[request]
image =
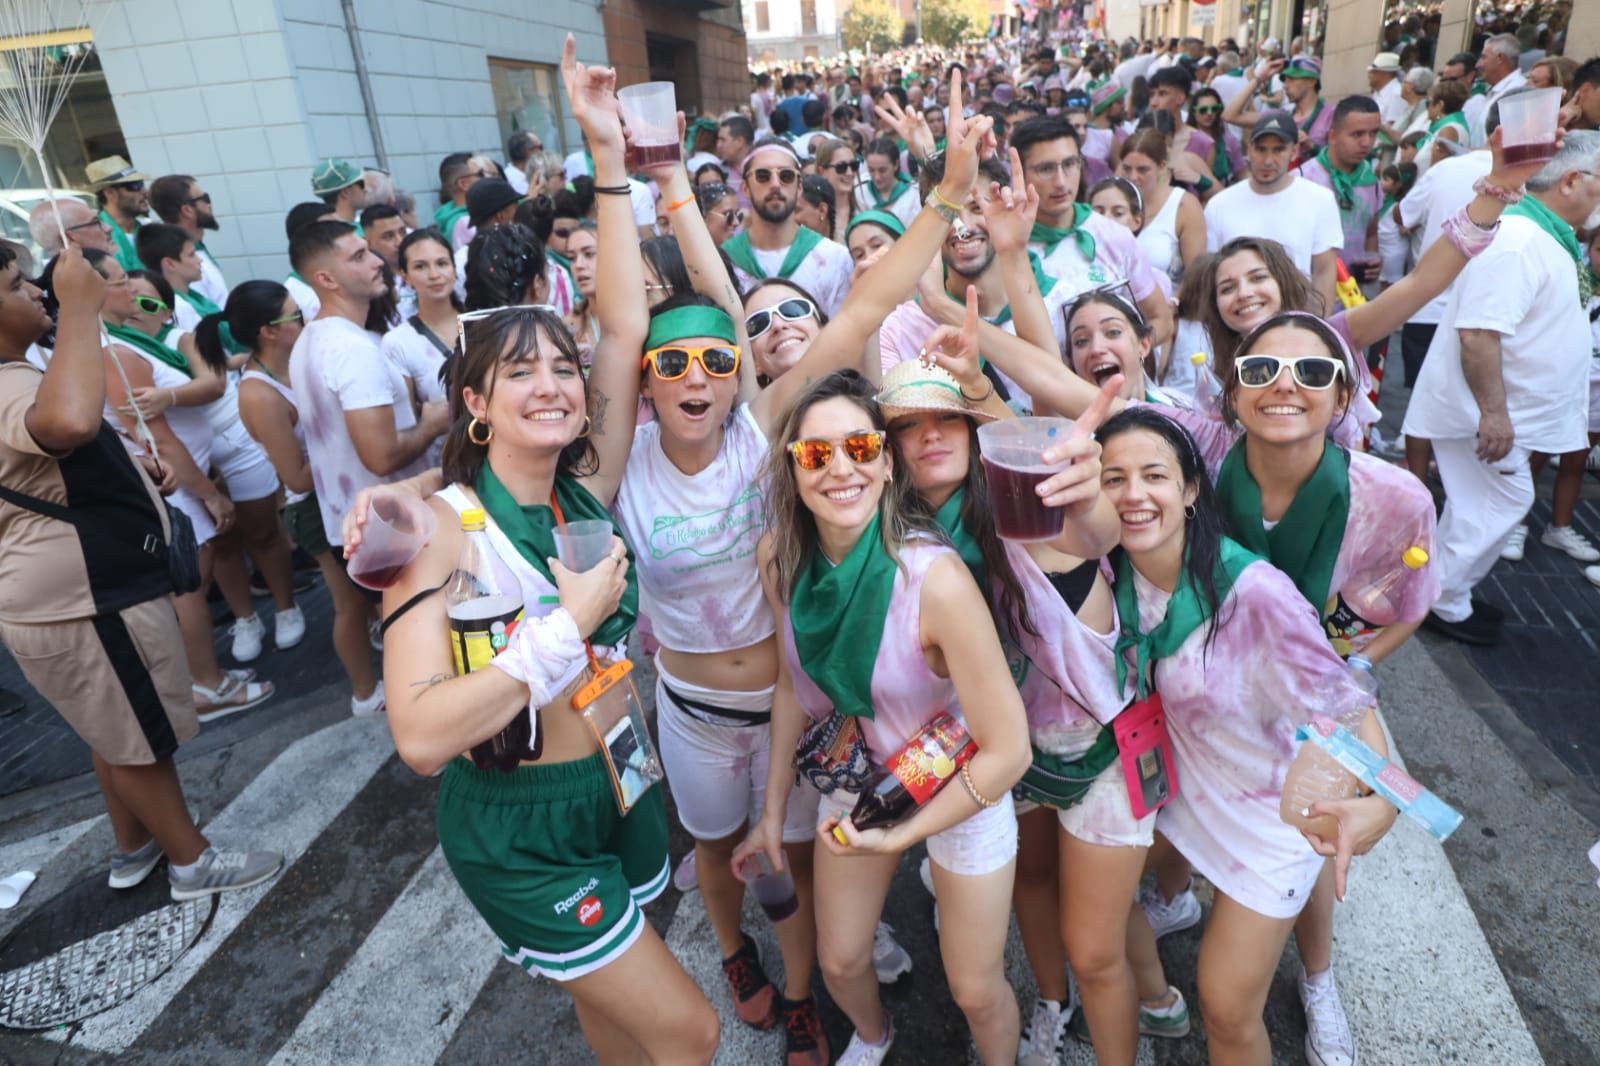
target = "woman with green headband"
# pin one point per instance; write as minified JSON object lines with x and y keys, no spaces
{"x":869,"y":235}
{"x":541,"y":851}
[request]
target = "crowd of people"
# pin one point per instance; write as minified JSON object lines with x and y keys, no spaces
{"x":773,"y":398}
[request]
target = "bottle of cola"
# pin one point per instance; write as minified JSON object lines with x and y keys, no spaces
{"x":913,"y":775}
{"x":484,"y":606}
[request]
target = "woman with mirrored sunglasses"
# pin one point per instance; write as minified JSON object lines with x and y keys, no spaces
{"x":782,"y":320}
{"x":885,"y":626}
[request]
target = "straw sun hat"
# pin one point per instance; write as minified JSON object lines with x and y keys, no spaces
{"x":910,"y":388}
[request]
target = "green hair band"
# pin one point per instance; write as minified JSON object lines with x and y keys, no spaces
{"x":691,"y":320}
{"x":888,"y":221}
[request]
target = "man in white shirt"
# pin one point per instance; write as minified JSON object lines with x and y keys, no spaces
{"x":178,"y":200}
{"x":1275,"y":204}
{"x":1497,"y":66}
{"x":1383,"y":79}
{"x":774,"y":244}
{"x":1229,"y":80}
{"x":353,"y":402}
{"x":522,"y":153}
{"x":1506,"y":376}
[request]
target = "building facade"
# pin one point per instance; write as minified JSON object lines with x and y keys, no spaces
{"x":246,"y":94}
{"x":792,"y":29}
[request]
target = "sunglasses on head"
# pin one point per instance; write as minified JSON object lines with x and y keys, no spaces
{"x":793,"y":309}
{"x":815,"y":453}
{"x":850,"y":166}
{"x":150,"y":305}
{"x":672,"y":361}
{"x":1316,"y":372}
{"x":785,"y":175}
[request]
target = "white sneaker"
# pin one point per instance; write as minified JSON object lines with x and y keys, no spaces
{"x":1515,"y":545}
{"x":1328,"y":1038}
{"x":373,"y":704}
{"x":1569,"y":540}
{"x":1182,"y":912}
{"x":1044,"y":1037}
{"x":288,"y":628}
{"x":248,"y":635}
{"x":861,"y":1053}
{"x":889,"y":959}
{"x":1593,"y":574}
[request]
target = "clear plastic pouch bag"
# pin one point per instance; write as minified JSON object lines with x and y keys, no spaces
{"x":610,"y":706}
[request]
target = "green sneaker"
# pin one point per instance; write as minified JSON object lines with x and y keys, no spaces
{"x":1169,"y":1022}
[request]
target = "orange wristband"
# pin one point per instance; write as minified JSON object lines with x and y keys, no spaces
{"x":681,"y":203}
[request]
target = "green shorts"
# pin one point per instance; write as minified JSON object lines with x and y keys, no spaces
{"x":304,"y":520}
{"x":544,"y":856}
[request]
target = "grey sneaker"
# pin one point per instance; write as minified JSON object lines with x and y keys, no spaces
{"x":889,"y":959}
{"x":132,"y":867}
{"x":224,"y":871}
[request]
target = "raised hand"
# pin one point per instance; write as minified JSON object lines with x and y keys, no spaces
{"x":592,"y":94}
{"x":956,"y":350}
{"x":965,"y":143}
{"x":1009,"y":210}
{"x":910,"y":126}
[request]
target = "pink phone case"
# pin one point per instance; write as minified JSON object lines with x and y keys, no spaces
{"x":1146,"y":753}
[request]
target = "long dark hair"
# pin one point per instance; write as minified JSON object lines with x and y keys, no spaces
{"x":666,"y":259}
{"x":251,"y":305}
{"x":503,"y":262}
{"x":429,"y":233}
{"x":1294,"y":289}
{"x":816,"y":191}
{"x":511,"y":335}
{"x":1011,"y":606}
{"x":1300,"y":320}
{"x":1205,"y":529}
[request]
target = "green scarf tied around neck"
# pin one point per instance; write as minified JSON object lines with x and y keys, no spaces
{"x":1531,"y":209}
{"x":446,"y":215}
{"x":1186,"y":612}
{"x":151,"y":347}
{"x":744,"y":256}
{"x":531,"y":529}
{"x":837,"y":615}
{"x":1305,"y":543}
{"x":127,"y":254}
{"x":966,"y":545}
{"x":1345,"y":185}
{"x":899,"y":190}
{"x":1050,"y":236}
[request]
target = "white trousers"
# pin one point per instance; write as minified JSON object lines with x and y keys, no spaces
{"x":1484,"y":502}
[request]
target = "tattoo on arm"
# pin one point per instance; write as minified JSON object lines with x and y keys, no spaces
{"x":597,"y":412}
{"x":432,"y":681}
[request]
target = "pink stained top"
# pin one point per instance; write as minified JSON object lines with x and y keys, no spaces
{"x":906,"y":694}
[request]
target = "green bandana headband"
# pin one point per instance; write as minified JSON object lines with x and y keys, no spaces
{"x":691,"y":321}
{"x":887,"y":220}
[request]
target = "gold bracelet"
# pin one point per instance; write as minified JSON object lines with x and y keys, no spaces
{"x":939,"y":197}
{"x":972,"y":790}
{"x":977,"y":399}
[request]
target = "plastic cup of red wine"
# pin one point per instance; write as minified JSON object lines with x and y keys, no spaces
{"x":397,"y":527}
{"x":581,"y":545}
{"x":651,"y":111}
{"x":1011,"y":451}
{"x":773,"y":890}
{"x":1528,"y":125}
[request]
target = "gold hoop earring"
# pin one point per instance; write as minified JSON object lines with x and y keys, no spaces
{"x":588,"y":426}
{"x":473,"y":437}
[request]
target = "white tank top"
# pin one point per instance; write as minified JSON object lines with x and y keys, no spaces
{"x":540,"y":596}
{"x":1159,"y":238}
{"x":189,"y":424}
{"x":694,"y":539}
{"x":287,"y":393}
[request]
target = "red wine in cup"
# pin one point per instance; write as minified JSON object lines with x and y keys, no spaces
{"x":1019,"y":513}
{"x":1528,"y":153}
{"x":377,"y":578}
{"x":651,"y":155}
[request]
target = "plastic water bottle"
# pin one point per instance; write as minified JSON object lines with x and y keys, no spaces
{"x":1207,"y":390}
{"x":1315,"y":775}
{"x":1374,"y":599}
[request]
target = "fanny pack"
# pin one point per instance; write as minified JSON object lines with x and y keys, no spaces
{"x":714,"y":715}
{"x":833,"y":755}
{"x":1062,"y":783}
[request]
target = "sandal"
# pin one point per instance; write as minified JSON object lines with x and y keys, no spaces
{"x":231,"y":697}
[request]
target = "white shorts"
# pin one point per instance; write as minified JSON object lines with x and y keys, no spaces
{"x":244,"y":464}
{"x":979,"y":845}
{"x":718,"y":773}
{"x":1105,"y":815}
{"x":189,"y":504}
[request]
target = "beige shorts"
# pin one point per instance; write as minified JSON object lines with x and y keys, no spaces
{"x":120,"y":680}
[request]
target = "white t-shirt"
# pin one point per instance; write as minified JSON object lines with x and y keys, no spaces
{"x":825,"y":273}
{"x":1302,"y":216}
{"x":694,"y":538}
{"x":337,"y":366}
{"x":1392,"y":106}
{"x":1129,"y":69}
{"x":904,"y":207}
{"x":516,"y":179}
{"x":1525,"y":288}
{"x":644,"y":203}
{"x":1477,"y":107}
{"x":1443,"y":189}
{"x":418,"y":359}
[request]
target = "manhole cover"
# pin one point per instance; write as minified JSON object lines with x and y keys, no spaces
{"x":51,"y":982}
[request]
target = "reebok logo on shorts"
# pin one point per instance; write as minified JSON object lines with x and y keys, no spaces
{"x":565,"y":905}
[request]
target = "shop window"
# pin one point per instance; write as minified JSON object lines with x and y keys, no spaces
{"x":526,"y":97}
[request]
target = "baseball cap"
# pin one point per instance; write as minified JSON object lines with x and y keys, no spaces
{"x":1303,"y":67}
{"x":1276,"y":124}
{"x":331,"y":175}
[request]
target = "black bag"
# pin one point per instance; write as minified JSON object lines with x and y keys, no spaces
{"x":832,"y":754}
{"x":182,"y":553}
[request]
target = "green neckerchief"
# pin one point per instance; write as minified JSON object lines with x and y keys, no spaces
{"x":1383,"y":208}
{"x":202,"y":303}
{"x":1305,"y":543}
{"x":837,"y":615}
{"x":1454,"y":118}
{"x":1531,"y":209}
{"x":744,"y":256}
{"x":938,"y":146}
{"x":1223,"y":166}
{"x":588,"y":163}
{"x":1479,"y":88}
{"x":531,"y":529}
{"x":151,"y":347}
{"x":1050,"y":236}
{"x":1345,"y":185}
{"x":446,"y":215}
{"x":900,"y":187}
{"x":966,"y":545}
{"x":1312,"y":121}
{"x":127,"y":254}
{"x":1186,"y":611}
{"x":1040,"y":278}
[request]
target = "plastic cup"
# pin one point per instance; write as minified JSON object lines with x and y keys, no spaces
{"x":651,"y":111}
{"x":774,"y":891}
{"x":397,"y":528}
{"x":1011,"y":450}
{"x":581,"y":545}
{"x":1528,"y":125}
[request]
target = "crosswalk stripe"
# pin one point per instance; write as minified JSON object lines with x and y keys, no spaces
{"x":283,"y":809}
{"x":36,"y":852}
{"x":410,"y":984}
